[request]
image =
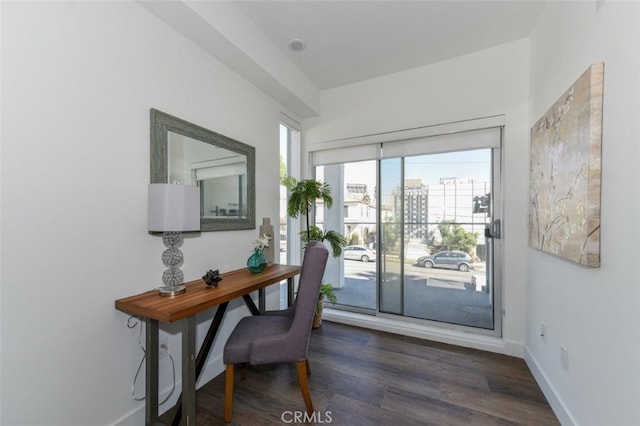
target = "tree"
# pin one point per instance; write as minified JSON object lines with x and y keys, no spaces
{"x":355,"y":238}
{"x":371,"y":237}
{"x":454,"y":237}
{"x":390,"y":234}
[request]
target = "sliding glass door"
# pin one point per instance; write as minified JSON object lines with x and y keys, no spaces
{"x":433,"y":247}
{"x":419,"y":220}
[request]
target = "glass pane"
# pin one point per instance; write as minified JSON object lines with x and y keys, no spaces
{"x":446,"y":207}
{"x":391,"y":210}
{"x":353,"y":214}
{"x":280,"y":237}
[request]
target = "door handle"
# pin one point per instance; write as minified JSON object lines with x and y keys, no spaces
{"x":492,"y":230}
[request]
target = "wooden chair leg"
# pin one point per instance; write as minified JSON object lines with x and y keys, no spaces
{"x":304,"y":386}
{"x":228,"y":395}
{"x":308,"y":367}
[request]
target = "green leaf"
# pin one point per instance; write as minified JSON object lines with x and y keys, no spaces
{"x":326,"y":291}
{"x":303,"y":195}
{"x":335,"y":240}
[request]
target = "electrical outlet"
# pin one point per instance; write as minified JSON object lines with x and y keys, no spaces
{"x":543,"y":332}
{"x":164,"y":348}
{"x":564,"y":358}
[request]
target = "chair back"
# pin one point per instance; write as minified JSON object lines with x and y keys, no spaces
{"x":313,"y":265}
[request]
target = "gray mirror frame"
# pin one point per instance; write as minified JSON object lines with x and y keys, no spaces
{"x":161,"y":124}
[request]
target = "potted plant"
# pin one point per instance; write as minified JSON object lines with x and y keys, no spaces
{"x":303,"y":195}
{"x":326,"y":292}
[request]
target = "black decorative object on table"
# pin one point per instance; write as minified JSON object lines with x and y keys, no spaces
{"x":212,"y":278}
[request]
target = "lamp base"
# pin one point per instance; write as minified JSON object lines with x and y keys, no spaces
{"x":172,"y":290}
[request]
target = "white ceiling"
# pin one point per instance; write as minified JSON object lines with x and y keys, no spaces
{"x":349,"y":41}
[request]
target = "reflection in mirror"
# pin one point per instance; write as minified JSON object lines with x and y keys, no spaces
{"x":220,"y":175}
{"x":221,"y":167}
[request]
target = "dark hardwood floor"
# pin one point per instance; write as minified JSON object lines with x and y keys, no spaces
{"x":365,"y":377}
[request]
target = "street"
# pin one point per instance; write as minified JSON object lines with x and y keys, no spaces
{"x":436,"y":277}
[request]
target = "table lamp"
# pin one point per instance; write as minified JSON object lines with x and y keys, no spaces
{"x":173,"y":209}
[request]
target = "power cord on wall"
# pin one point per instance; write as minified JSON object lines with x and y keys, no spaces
{"x":144,"y":356}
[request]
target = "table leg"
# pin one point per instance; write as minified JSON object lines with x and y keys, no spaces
{"x":252,"y":306}
{"x":189,"y":371}
{"x":262,"y":300}
{"x":290,"y":291}
{"x":202,"y":357}
{"x":151,"y":370}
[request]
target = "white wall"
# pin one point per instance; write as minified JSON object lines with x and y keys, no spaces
{"x":592,"y":312}
{"x":489,"y":82}
{"x":78,"y":80}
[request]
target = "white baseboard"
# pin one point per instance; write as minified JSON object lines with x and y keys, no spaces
{"x":421,"y":331}
{"x":556,"y":403}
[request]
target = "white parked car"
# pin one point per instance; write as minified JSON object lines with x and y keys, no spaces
{"x":360,"y":253}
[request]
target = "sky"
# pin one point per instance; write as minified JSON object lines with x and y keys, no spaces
{"x":430,"y":168}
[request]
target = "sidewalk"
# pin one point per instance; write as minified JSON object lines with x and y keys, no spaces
{"x":433,"y":299}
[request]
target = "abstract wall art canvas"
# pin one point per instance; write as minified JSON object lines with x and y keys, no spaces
{"x":564,"y":182}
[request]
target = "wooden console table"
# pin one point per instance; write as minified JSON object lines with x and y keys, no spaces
{"x":152,"y":308}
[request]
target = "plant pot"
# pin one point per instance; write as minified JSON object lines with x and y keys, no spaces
{"x":317,"y":318}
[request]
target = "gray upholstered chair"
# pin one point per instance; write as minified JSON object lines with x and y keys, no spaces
{"x":280,"y":336}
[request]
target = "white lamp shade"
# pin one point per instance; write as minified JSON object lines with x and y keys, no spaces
{"x":173,"y":208}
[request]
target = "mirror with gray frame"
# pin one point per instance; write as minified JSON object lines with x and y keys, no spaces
{"x":221,"y":167}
